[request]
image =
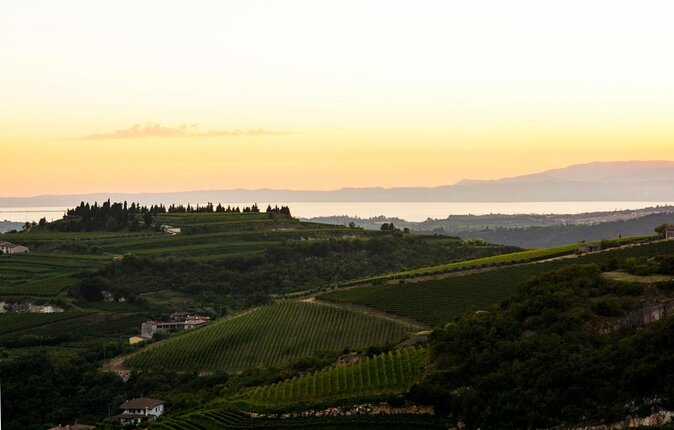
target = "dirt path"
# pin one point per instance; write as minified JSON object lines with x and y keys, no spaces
{"x":414,"y":324}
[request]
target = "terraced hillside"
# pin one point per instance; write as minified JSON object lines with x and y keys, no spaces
{"x":387,"y":373}
{"x":270,"y":335}
{"x":438,"y":301}
{"x":225,"y":418}
{"x":504,"y":259}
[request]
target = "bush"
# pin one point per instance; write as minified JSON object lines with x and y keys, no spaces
{"x":607,"y":308}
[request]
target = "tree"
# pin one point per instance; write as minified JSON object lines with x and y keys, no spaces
{"x":388,"y":227}
{"x":662,"y":229}
{"x":134,"y":225}
{"x":111,"y":224}
{"x":147,"y":219}
{"x":43,"y":222}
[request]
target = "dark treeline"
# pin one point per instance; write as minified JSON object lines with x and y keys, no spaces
{"x":285,"y":210}
{"x":108,"y":216}
{"x":208,"y":208}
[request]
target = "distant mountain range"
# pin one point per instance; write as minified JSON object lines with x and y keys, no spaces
{"x":601,"y":181}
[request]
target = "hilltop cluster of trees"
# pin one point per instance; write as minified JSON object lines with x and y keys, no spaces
{"x":108,"y":216}
{"x":121,"y":216}
{"x":284,"y":210}
{"x":209,"y":207}
{"x":534,"y":361}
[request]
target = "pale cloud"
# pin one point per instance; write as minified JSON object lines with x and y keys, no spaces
{"x":151,"y":129}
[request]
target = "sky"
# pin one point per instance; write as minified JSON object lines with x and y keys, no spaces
{"x":129,"y":96}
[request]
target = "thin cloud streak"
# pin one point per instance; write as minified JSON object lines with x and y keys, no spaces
{"x":150,"y":129}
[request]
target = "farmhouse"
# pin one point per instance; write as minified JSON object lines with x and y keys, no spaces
{"x":669,"y":233}
{"x":138,"y":410}
{"x":10,"y":248}
{"x":149,"y":328}
{"x":170,"y":230}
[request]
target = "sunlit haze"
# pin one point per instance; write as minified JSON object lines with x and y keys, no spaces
{"x":134,"y":96}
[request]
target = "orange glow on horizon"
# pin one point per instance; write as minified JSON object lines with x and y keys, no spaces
{"x":278,"y":95}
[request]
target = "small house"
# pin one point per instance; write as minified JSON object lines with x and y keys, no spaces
{"x":139,"y":410}
{"x":149,"y":328}
{"x":11,"y":248}
{"x":669,"y":233}
{"x":170,"y":229}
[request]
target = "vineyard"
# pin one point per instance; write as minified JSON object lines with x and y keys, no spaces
{"x":438,"y":301}
{"x":10,"y":322}
{"x":271,"y":335}
{"x":519,"y":257}
{"x":215,"y":419}
{"x":387,"y":373}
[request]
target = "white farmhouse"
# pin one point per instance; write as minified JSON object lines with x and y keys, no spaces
{"x":10,"y":248}
{"x":138,"y":410}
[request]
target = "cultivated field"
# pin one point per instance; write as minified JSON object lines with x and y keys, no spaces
{"x":271,"y":335}
{"x":439,"y":301}
{"x":387,"y":373}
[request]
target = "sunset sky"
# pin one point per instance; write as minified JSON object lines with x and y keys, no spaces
{"x":135,"y":96}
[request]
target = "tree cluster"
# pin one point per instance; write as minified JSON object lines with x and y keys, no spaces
{"x":284,"y":210}
{"x":208,"y":208}
{"x":107,"y":216}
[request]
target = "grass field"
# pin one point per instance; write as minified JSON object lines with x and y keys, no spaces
{"x":436,"y":302}
{"x":384,"y":374}
{"x":270,"y":335}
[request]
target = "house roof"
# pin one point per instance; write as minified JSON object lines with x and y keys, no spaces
{"x":141,"y":403}
{"x":10,"y":245}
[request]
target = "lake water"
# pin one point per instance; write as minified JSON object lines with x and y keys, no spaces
{"x":410,"y":211}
